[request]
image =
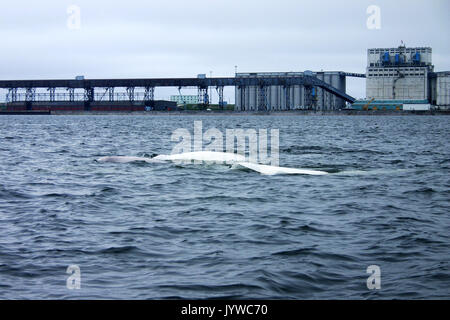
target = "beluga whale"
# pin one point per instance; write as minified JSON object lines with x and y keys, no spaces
{"x":233,"y":159}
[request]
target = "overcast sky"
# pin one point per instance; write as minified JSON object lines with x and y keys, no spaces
{"x":179,"y":38}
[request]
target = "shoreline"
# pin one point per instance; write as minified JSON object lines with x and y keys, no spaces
{"x":234,"y":113}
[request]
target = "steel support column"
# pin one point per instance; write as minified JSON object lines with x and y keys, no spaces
{"x":89,"y":94}
{"x":149,"y":94}
{"x":11,"y":96}
{"x":71,"y":94}
{"x":14,"y":95}
{"x":219,"y":90}
{"x":52,"y":92}
{"x":110,"y":93}
{"x":29,"y":98}
{"x":262,"y":98}
{"x":181,"y":96}
{"x":203,"y":97}
{"x":310,"y":99}
{"x":30,"y":94}
{"x":130,"y":92}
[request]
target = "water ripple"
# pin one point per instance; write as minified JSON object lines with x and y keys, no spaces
{"x":152,"y":231}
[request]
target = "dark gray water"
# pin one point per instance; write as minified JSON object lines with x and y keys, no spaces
{"x":142,"y":231}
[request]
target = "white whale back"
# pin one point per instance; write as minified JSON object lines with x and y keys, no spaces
{"x":203,"y":156}
{"x":218,"y":157}
{"x":273,"y":170}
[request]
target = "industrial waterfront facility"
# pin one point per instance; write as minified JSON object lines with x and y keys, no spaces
{"x":88,"y":94}
{"x":396,"y":79}
{"x":404,"y":79}
{"x":254,"y":98}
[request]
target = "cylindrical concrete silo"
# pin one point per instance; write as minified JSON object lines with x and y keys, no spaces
{"x":253,"y":98}
{"x":296,"y":101}
{"x":247,"y":98}
{"x":274,"y":97}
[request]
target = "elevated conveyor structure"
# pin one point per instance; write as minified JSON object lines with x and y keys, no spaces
{"x":91,"y":86}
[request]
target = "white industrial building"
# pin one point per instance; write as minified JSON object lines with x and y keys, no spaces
{"x":294,"y":97}
{"x":398,"y":73}
{"x":402,"y":75}
{"x":440,"y":90}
